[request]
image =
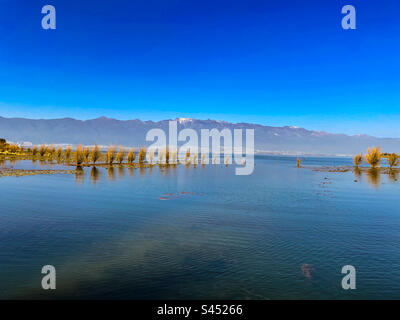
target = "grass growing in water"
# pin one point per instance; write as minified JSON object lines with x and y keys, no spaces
{"x":78,"y":156}
{"x":111,"y":154}
{"x":393,"y":160}
{"x":142,"y":155}
{"x":120,"y":155}
{"x":96,"y":153}
{"x":357,"y":160}
{"x":131,"y":155}
{"x":373,"y":156}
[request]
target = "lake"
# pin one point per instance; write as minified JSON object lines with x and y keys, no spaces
{"x":201,"y":232}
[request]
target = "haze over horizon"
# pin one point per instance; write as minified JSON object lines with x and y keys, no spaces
{"x":189,"y":118}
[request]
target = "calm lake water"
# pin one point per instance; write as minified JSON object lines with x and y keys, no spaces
{"x":201,"y":233}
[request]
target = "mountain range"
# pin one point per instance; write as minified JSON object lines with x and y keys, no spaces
{"x":106,"y":131}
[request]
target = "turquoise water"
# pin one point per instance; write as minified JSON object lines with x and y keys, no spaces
{"x":201,"y":233}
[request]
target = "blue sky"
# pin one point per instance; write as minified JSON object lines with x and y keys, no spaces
{"x":270,"y":62}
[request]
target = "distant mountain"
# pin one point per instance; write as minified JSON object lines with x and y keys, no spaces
{"x":105,"y":131}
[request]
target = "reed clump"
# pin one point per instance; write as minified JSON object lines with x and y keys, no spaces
{"x":78,"y":156}
{"x":373,"y":157}
{"x":142,"y":155}
{"x":34,"y":150}
{"x":86,"y":154}
{"x":298,"y":161}
{"x":95,"y":153}
{"x":120,"y":155}
{"x":357,"y":160}
{"x":187,"y":155}
{"x":59,"y":153}
{"x":68,"y":153}
{"x":131,"y":155}
{"x":42,"y":150}
{"x":111,"y":152}
{"x":393,"y":160}
{"x":167,"y":155}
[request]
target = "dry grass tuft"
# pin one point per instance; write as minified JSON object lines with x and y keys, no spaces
{"x":59,"y":153}
{"x":357,"y":160}
{"x":95,"y":153}
{"x":120,"y":155}
{"x":373,"y":157}
{"x":78,"y":156}
{"x":142,"y":155}
{"x":111,"y":152}
{"x":86,"y":154}
{"x":167,"y":155}
{"x":34,"y":150}
{"x":68,"y":153}
{"x":131,"y":155}
{"x":42,"y":150}
{"x":393,"y":160}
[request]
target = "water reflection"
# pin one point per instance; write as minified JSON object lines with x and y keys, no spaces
{"x":79,"y":175}
{"x":374,"y":177}
{"x":393,"y":175}
{"x":357,"y":173}
{"x":111,"y":174}
{"x":121,"y":172}
{"x":94,"y":175}
{"x":131,"y":171}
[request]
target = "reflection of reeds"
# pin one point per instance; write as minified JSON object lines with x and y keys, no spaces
{"x":121,"y":172}
{"x":79,"y":175}
{"x":373,"y":157}
{"x":94,"y":175}
{"x":357,"y":173}
{"x":357,"y":160}
{"x":374,"y":177}
{"x":111,"y":173}
{"x":393,"y":175}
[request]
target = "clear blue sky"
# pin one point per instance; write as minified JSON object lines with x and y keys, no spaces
{"x":270,"y":62}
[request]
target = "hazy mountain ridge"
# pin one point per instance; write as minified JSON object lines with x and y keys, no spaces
{"x":105,"y":131}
